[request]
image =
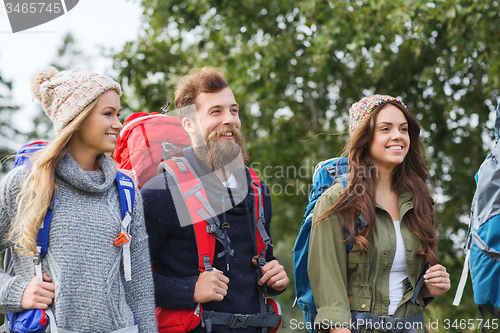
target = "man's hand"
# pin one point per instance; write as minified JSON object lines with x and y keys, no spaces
{"x":38,"y":294}
{"x":211,"y":286}
{"x":274,"y":275}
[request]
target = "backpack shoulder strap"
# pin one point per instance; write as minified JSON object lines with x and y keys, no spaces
{"x":24,"y":153}
{"x":194,"y":196}
{"x":264,"y":240}
{"x":261,"y":237}
{"x":42,"y":240}
{"x":126,"y":190}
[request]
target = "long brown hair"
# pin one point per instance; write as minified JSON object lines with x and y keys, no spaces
{"x":359,"y":195}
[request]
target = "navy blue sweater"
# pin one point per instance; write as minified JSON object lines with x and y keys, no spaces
{"x":173,"y":247}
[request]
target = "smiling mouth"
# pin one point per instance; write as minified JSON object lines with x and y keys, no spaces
{"x":398,"y":148}
{"x":227,"y":134}
{"x":111,"y":135}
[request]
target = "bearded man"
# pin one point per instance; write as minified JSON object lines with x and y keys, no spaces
{"x":231,"y":289}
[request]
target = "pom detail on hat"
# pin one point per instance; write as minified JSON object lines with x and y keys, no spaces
{"x":39,"y":77}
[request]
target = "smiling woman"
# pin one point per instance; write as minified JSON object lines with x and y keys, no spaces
{"x":392,"y":271}
{"x":76,"y":178}
{"x":390,"y":142}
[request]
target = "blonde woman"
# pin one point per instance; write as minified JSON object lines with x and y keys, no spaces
{"x":83,"y":277}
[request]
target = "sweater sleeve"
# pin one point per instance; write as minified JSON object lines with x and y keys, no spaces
{"x":327,"y":263}
{"x":140,"y":291}
{"x":11,"y":287}
{"x":161,"y":217}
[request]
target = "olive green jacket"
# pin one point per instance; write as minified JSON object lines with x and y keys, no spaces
{"x":342,"y":282}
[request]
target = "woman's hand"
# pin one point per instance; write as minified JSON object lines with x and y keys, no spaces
{"x":437,"y":281}
{"x":38,"y":294}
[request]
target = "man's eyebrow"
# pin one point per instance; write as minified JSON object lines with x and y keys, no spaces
{"x":220,"y":106}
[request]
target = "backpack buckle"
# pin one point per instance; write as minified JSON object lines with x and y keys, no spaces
{"x":238,"y":321}
{"x":211,"y":228}
{"x":388,"y":324}
{"x":36,"y":258}
{"x":122,"y":239}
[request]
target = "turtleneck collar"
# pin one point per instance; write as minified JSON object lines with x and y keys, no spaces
{"x":88,"y":181}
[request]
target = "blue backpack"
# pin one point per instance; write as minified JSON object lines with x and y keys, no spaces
{"x":38,"y":320}
{"x":482,"y":244}
{"x":325,"y":175}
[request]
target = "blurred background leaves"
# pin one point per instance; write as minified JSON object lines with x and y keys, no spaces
{"x":297,"y":66}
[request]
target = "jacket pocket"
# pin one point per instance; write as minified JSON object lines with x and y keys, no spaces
{"x":360,"y":304}
{"x":359,"y":296}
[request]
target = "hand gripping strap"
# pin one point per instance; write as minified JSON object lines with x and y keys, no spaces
{"x":195,"y":198}
{"x":126,"y":189}
{"x":264,"y":240}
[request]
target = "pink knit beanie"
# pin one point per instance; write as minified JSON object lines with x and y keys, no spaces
{"x":359,"y":111}
{"x":65,"y":94}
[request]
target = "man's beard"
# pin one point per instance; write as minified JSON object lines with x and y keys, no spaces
{"x":217,"y":154}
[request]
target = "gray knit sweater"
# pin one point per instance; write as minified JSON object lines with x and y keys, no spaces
{"x":86,"y":267}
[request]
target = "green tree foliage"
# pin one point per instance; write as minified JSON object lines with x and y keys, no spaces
{"x":8,"y":133}
{"x":297,"y":66}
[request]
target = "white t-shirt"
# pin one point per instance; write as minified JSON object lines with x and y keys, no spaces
{"x":231,"y":182}
{"x":398,"y":272}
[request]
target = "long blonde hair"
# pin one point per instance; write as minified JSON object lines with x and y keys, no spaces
{"x":39,"y":186}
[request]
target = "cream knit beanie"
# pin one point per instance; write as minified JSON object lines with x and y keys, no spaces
{"x":65,"y":94}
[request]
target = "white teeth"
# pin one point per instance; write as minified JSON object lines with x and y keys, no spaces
{"x":111,"y":135}
{"x":395,"y":148}
{"x":228,"y":134}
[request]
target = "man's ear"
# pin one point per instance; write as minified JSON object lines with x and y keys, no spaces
{"x":189,"y":126}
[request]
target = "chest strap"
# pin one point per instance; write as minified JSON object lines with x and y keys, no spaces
{"x":231,"y":320}
{"x":386,"y":323}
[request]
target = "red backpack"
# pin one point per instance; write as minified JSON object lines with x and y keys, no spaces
{"x":147,"y":145}
{"x":194,"y":195}
{"x":139,"y":146}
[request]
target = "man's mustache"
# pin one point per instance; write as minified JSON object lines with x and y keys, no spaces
{"x":222,"y":131}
